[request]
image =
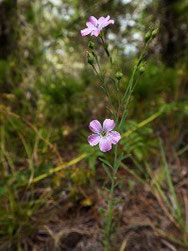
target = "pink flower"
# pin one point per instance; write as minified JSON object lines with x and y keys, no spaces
{"x":104,"y":136}
{"x":95,"y":26}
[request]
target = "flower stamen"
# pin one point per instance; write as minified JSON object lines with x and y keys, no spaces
{"x":103,"y":133}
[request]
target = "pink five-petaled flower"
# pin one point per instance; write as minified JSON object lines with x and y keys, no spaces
{"x":95,"y":26}
{"x":104,"y":136}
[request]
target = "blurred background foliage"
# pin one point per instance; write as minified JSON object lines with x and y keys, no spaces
{"x":48,"y":95}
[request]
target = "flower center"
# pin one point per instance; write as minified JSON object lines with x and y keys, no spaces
{"x":103,"y":133}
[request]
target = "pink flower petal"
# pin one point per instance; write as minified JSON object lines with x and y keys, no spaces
{"x":93,"y":20}
{"x":111,"y":21}
{"x":95,"y":26}
{"x":95,"y":33}
{"x":95,"y":126}
{"x":105,"y":144}
{"x":90,"y":25}
{"x":94,"y":139}
{"x":86,"y":31}
{"x":107,"y":18}
{"x":104,"y":24}
{"x":114,"y":137}
{"x":101,"y":20}
{"x":108,"y":125}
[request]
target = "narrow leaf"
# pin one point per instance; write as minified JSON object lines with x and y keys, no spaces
{"x":107,"y":171}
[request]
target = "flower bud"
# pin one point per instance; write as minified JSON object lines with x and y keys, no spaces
{"x":154,"y":33}
{"x":119,"y":75}
{"x":90,"y":59}
{"x":142,"y":69}
{"x":91,"y":45}
{"x":147,"y":36}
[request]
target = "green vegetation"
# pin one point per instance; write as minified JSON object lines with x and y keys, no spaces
{"x":49,"y":174}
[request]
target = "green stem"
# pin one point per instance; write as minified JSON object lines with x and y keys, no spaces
{"x":109,"y":217}
{"x":110,"y":213}
{"x":106,"y":49}
{"x":119,"y":107}
{"x":104,"y":85}
{"x":132,"y":83}
{"x":98,"y":75}
{"x":97,"y":60}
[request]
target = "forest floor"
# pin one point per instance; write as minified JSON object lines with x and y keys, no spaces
{"x":143,"y":224}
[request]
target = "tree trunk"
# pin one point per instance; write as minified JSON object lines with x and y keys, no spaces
{"x":172,"y":37}
{"x":8,"y":20}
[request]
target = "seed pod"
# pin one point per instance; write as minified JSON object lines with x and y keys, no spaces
{"x":142,"y":69}
{"x":90,"y":59}
{"x":154,"y":33}
{"x":147,"y":36}
{"x":119,"y":75}
{"x":91,"y":45}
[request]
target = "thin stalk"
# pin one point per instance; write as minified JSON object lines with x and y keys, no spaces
{"x":104,"y":85}
{"x":109,"y":217}
{"x":132,"y":83}
{"x":110,"y":212}
{"x":97,"y":61}
{"x":106,"y":49}
{"x":98,"y":75}
{"x":119,"y":102}
{"x":177,"y":211}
